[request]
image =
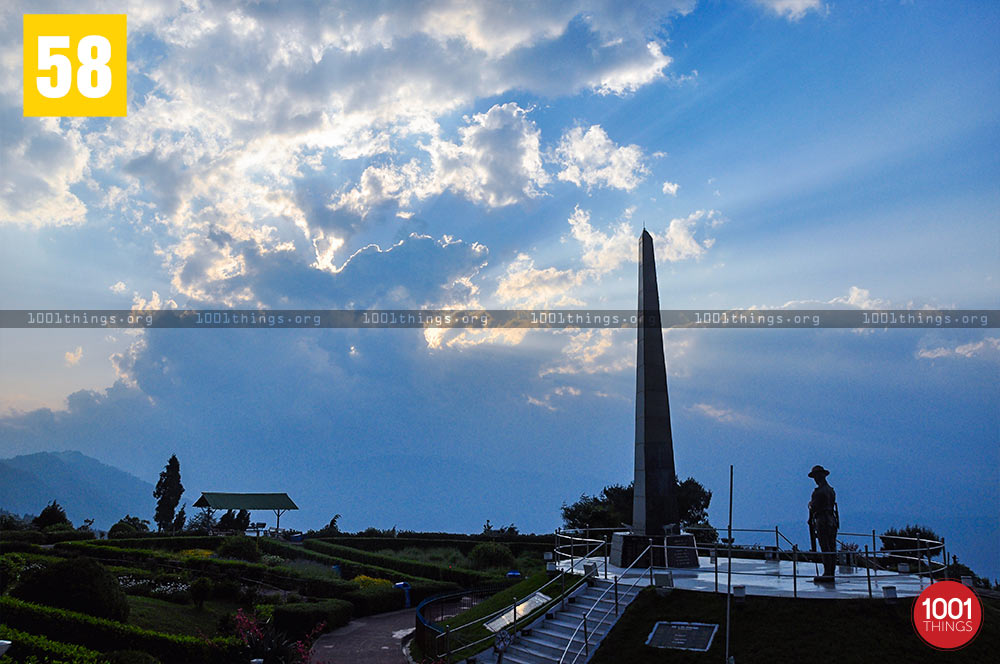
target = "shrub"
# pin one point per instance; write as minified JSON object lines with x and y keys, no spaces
{"x":26,"y":646}
{"x":201,"y":589}
{"x":375,"y":599}
{"x":77,"y":584}
{"x":240,"y":548}
{"x":271,"y":560}
{"x":53,"y":514}
{"x":131,"y":657}
{"x":488,"y":555}
{"x":354,"y":562}
{"x":105,"y":635}
{"x":297,"y":620}
{"x":364,"y":581}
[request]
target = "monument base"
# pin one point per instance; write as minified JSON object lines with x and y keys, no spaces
{"x":682,"y":551}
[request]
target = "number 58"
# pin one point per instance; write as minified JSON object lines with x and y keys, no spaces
{"x":93,"y":78}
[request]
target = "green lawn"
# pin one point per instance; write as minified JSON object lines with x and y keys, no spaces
{"x":163,"y":616}
{"x":772,"y":629}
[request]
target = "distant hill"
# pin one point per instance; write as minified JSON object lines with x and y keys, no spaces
{"x":85,"y":487}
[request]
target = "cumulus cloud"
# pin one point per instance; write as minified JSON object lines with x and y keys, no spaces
{"x":42,"y":158}
{"x":590,"y":158}
{"x":118,"y":287}
{"x":670,"y":188}
{"x":793,"y":10}
{"x":73,"y":357}
{"x":987,"y":349}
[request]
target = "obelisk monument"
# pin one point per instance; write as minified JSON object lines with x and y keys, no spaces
{"x":655,"y":504}
{"x":655,"y":516}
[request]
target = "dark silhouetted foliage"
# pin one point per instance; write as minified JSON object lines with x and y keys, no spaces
{"x":168,"y":493}
{"x":240,"y":548}
{"x":52,"y":515}
{"x":76,"y":584}
{"x":488,"y":555}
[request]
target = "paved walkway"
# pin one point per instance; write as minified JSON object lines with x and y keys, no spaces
{"x":771,"y":578}
{"x":372,"y":640}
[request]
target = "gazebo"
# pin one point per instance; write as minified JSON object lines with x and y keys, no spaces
{"x":279,"y":503}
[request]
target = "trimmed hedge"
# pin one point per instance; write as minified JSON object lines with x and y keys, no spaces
{"x":463,"y":577}
{"x":380,"y":599}
{"x":106,"y":635}
{"x":37,"y":537}
{"x":348,"y":568}
{"x":170,"y":543}
{"x":298,"y":619}
{"x":464,"y":543}
{"x":237,"y":570}
{"x":27,"y":645}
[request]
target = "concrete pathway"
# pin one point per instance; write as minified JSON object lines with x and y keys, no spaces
{"x":769,"y":578}
{"x":371,"y":640}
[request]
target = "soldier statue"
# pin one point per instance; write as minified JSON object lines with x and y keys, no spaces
{"x":824,"y":522}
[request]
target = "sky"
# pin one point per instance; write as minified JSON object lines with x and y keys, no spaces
{"x":379,"y":155}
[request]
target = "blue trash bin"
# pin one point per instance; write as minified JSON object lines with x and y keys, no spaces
{"x":405,"y":587}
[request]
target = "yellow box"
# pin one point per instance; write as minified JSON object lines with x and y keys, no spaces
{"x":63,"y":77}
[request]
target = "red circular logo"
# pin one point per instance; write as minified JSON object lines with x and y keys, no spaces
{"x":947,"y":615}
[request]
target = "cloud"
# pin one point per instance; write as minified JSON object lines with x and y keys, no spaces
{"x":73,"y":357}
{"x":118,"y":287}
{"x":793,"y":10}
{"x":591,"y":158}
{"x":524,"y":286}
{"x":717,"y":413}
{"x":497,"y":162}
{"x":41,"y":159}
{"x":986,"y":349}
{"x":670,"y":188}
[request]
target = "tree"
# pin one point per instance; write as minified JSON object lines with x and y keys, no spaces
{"x":203,"y":520}
{"x":613,"y":507}
{"x":227,"y":521}
{"x":128,"y":526}
{"x":52,"y":515}
{"x":168,"y":493}
{"x":242,"y":520}
{"x":179,"y":519}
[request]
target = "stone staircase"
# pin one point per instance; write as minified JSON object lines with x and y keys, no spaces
{"x":545,"y":640}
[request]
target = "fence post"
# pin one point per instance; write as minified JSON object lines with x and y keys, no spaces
{"x":874,"y":550}
{"x":447,"y":641}
{"x":777,"y":548}
{"x":563,"y":594}
{"x":513,"y":630}
{"x":605,"y":557}
{"x":715,"y":550}
{"x":586,"y":637}
{"x":651,"y":560}
{"x":868,"y":571}
{"x":616,"y":595}
{"x":795,"y":570}
{"x":920,"y":560}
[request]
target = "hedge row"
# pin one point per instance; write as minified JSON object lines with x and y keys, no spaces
{"x":298,"y":619}
{"x":169,"y":543}
{"x":279,"y":577}
{"x":27,"y":645}
{"x":517,"y":546}
{"x":348,"y":568}
{"x":107,"y":635}
{"x":38,"y":537}
{"x":464,"y":577}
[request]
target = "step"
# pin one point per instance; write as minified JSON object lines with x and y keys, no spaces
{"x":572,"y":623}
{"x":563,"y":630}
{"x":516,"y":655}
{"x":553,"y":648}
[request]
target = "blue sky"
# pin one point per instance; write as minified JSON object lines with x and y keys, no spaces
{"x":784,"y":153}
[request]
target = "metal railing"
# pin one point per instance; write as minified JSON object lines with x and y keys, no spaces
{"x":585,"y":648}
{"x":463,"y":641}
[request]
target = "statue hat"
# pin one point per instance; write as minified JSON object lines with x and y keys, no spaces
{"x":818,"y":471}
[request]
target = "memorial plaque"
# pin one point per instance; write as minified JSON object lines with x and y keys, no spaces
{"x":687,"y":556}
{"x":682,"y":636}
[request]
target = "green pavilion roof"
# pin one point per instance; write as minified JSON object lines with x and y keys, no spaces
{"x":245,"y":501}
